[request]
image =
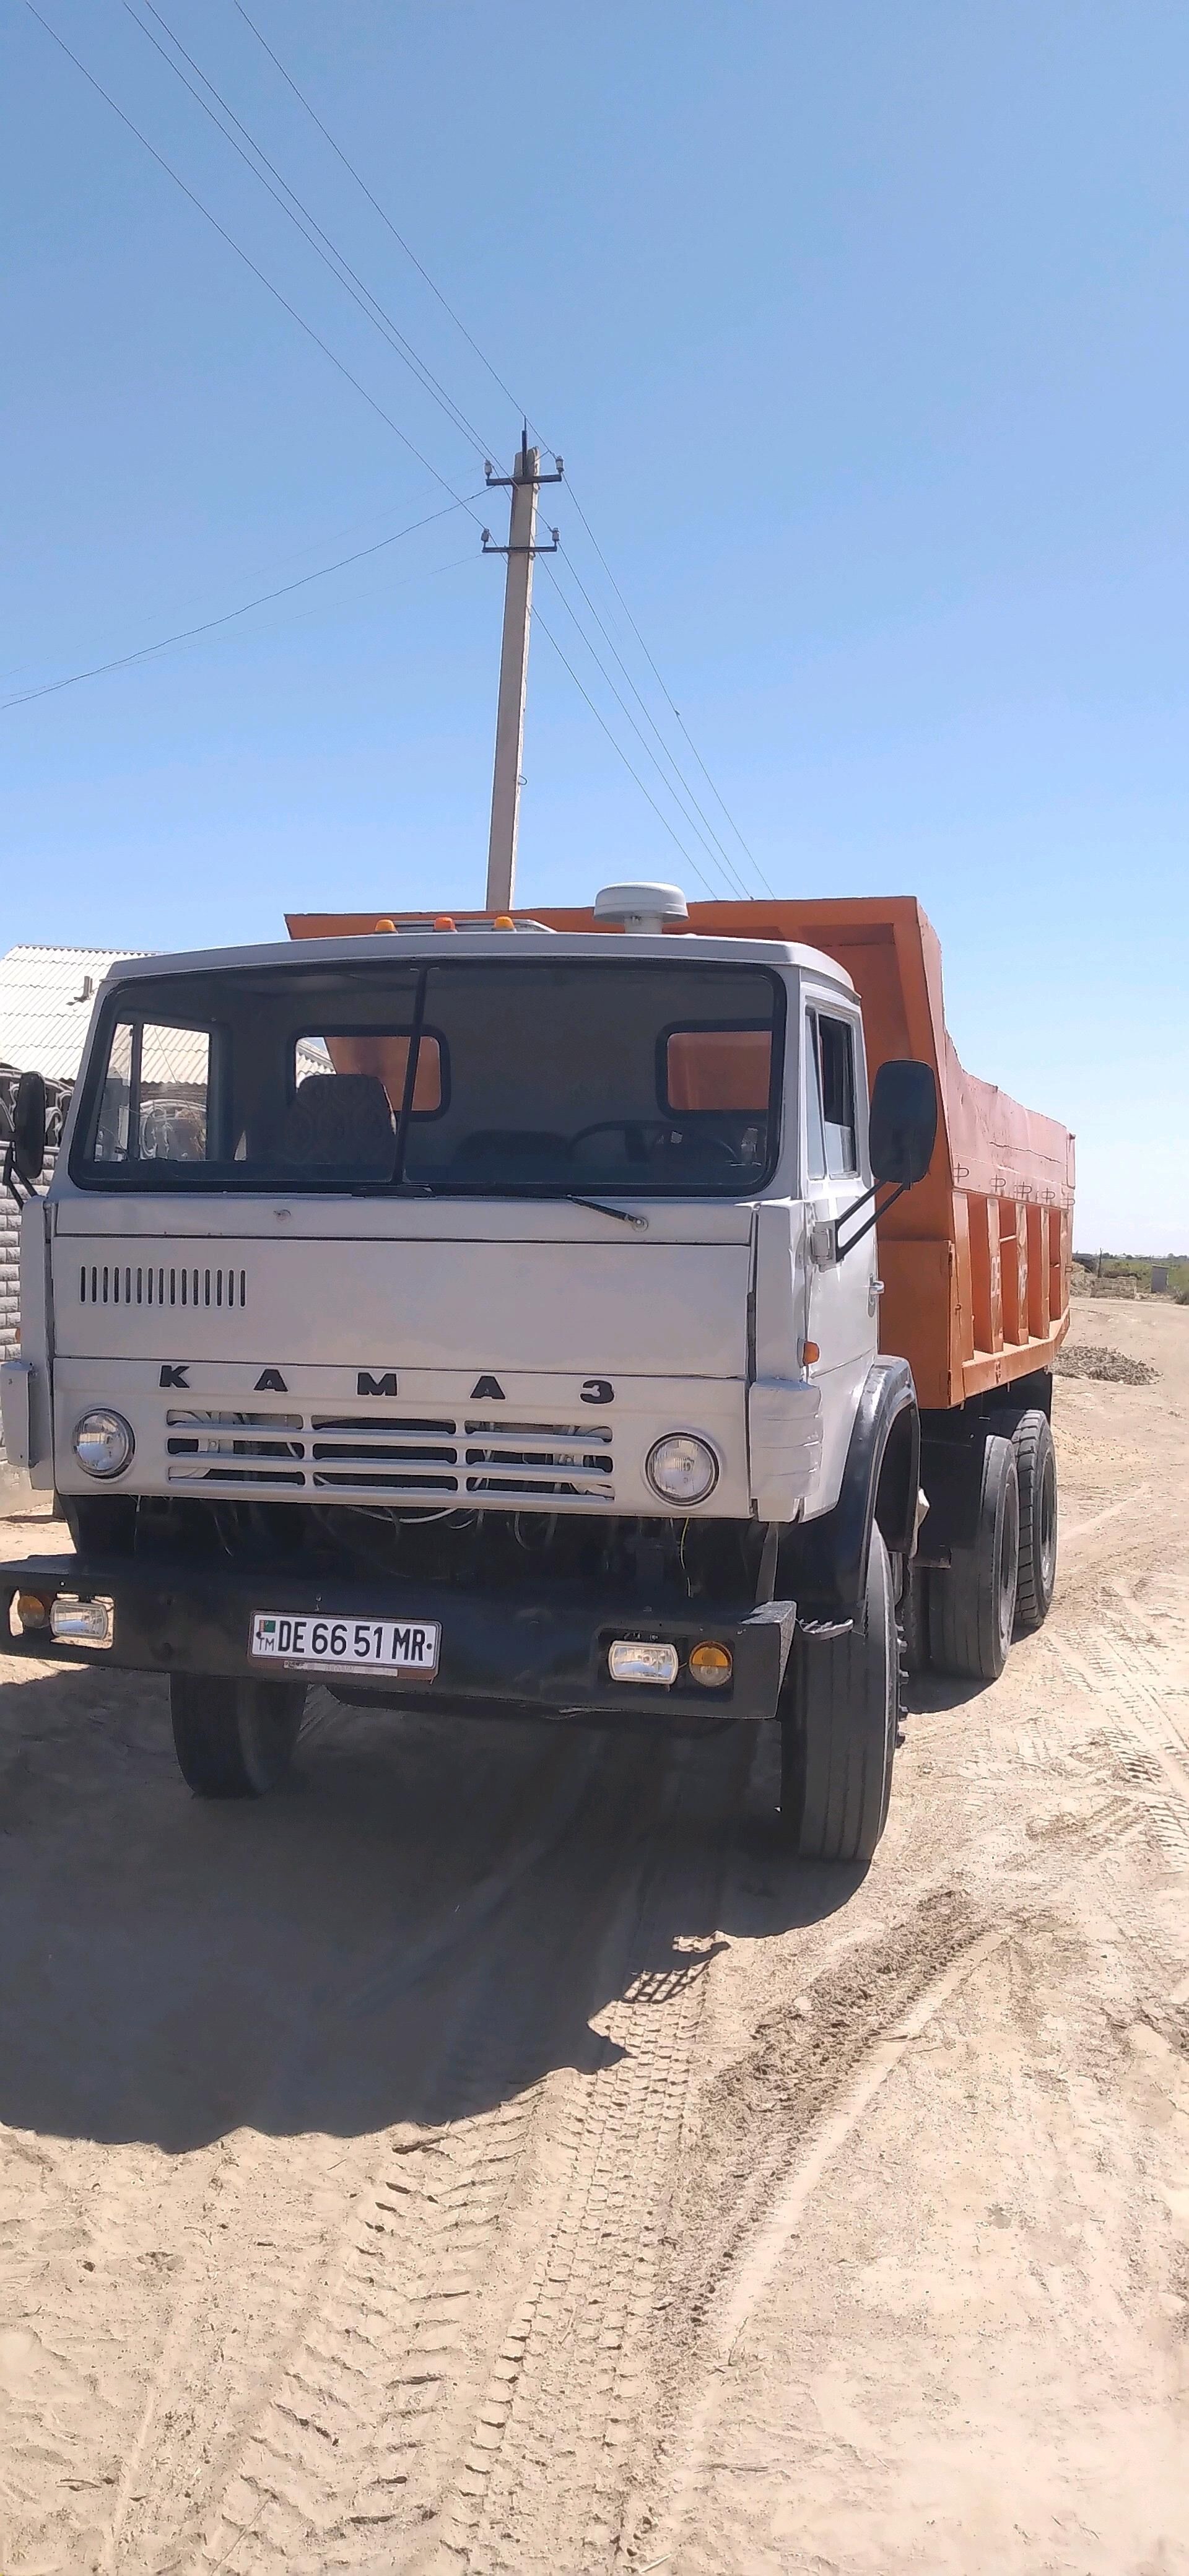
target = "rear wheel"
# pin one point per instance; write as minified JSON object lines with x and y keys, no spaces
{"x":234,"y":1739}
{"x":1036,"y":1467}
{"x":839,"y":1718}
{"x":972,"y":1601}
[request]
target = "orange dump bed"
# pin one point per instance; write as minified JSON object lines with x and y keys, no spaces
{"x":975,"y":1260}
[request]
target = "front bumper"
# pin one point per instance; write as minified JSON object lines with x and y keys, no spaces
{"x":517,"y":1653}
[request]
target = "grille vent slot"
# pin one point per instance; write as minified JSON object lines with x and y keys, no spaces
{"x":546,"y":1459}
{"x":418,"y":1456}
{"x":235,"y":1448}
{"x":160,"y":1284}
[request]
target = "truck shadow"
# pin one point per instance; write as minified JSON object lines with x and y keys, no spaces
{"x":427,"y":1919}
{"x":933,"y":1694}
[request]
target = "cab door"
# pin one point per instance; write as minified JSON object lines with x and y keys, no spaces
{"x":842,"y":1298}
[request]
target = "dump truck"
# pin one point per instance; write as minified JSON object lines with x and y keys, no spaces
{"x":631,"y":1317}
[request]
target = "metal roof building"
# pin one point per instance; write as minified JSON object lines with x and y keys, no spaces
{"x":46,"y":998}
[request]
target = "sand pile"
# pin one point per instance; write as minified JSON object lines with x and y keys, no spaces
{"x":1085,"y":1359}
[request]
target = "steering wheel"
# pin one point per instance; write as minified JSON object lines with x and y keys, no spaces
{"x":635,"y":1131}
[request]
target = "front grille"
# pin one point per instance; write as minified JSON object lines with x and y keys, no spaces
{"x":393,"y":1457}
{"x":123,"y":1283}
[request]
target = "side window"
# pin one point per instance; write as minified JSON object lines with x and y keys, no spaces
{"x":175,"y":1090}
{"x":815,"y":1132}
{"x":155,"y":1103}
{"x":831,"y":1128}
{"x":728,"y":1071}
{"x":111,"y":1131}
{"x":383,"y":1053}
{"x":836,"y":1050}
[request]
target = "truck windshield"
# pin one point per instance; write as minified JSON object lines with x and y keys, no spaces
{"x":529,"y":1078}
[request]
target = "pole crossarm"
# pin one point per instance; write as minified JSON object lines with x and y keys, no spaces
{"x":489,"y":549}
{"x":508,"y":482}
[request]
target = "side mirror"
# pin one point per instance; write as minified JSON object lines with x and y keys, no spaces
{"x":28,"y":1128}
{"x":903,"y":1124}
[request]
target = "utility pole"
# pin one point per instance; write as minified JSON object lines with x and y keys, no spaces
{"x":524,"y":483}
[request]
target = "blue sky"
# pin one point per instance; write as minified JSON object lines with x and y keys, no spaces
{"x":862,"y":331}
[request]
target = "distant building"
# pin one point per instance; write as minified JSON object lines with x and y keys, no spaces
{"x":46,"y":1000}
{"x":46,"y":997}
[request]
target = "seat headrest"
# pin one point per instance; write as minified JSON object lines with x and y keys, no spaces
{"x":340,"y":1119}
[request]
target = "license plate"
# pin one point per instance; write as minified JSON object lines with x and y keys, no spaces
{"x":407,"y":1646}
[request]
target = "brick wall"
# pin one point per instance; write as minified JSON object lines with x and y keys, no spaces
{"x":10,"y":1218}
{"x":9,"y":1239}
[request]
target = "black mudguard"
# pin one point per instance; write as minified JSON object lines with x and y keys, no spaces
{"x":823,"y":1563}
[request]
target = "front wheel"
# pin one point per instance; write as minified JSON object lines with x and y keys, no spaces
{"x":839,"y":1718}
{"x":234,"y":1739}
{"x":914,"y":1618}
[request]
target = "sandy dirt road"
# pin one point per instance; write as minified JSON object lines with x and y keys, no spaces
{"x":490,"y":2155}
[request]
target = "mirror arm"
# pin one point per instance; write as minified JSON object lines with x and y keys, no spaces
{"x":9,"y":1178}
{"x":841,"y":1249}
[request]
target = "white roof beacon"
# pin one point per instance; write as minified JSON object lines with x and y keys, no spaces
{"x":645,"y":910}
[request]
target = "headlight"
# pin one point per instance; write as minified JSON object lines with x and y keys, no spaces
{"x":631,"y":1659}
{"x":103,"y":1444}
{"x":681,"y":1468}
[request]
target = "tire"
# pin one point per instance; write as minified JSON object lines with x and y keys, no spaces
{"x":234,"y":1739}
{"x":914,"y":1618}
{"x":1036,"y":1467}
{"x":838,"y":1729}
{"x":972,"y":1601}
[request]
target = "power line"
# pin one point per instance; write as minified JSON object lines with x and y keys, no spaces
{"x":185,"y":634}
{"x":484,"y":360}
{"x":334,"y":259}
{"x":621,"y":702}
{"x":664,"y":691}
{"x":375,"y":312}
{"x":709,"y":830}
{"x":687,"y":855}
{"x":331,"y":256}
{"x":240,"y":253}
{"x":275,"y":561}
{"x":398,"y":237}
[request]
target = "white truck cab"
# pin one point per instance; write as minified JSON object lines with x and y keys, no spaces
{"x":486,"y":1314}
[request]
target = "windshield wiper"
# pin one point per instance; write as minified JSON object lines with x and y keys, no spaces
{"x":527,"y":1197}
{"x":601,"y":1208}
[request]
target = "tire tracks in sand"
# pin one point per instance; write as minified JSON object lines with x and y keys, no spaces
{"x":267,"y":2222}
{"x":459,"y":2345}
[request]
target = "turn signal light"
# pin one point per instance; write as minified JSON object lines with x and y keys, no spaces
{"x":32,"y":1612}
{"x":711,"y":1665}
{"x":810,"y":1353}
